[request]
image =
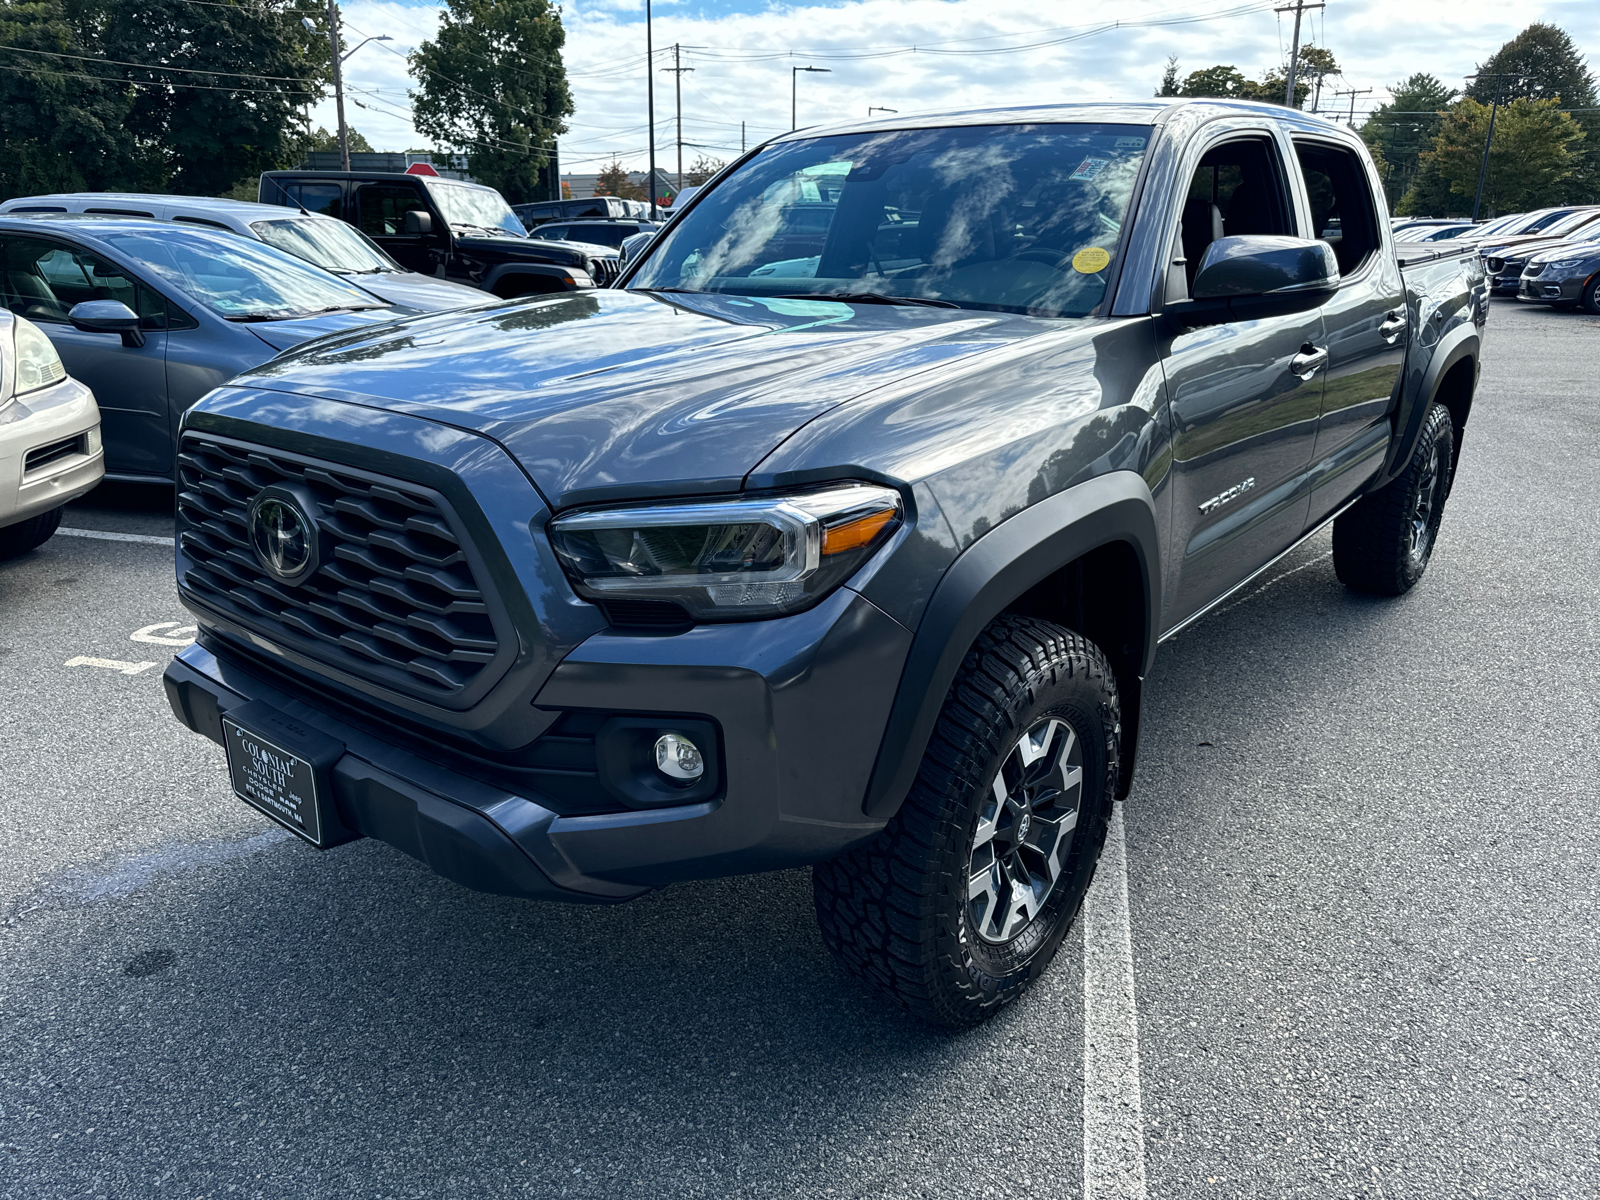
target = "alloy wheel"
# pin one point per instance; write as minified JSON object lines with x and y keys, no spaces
{"x":1422,"y":509}
{"x":1024,"y":832}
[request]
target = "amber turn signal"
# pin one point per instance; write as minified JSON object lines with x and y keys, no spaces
{"x":856,"y":532}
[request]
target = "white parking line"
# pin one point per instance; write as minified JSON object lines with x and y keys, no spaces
{"x":110,"y":664}
{"x":1113,"y":1115}
{"x":105,"y":535}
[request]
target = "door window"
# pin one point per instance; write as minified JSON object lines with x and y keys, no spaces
{"x":383,"y":209}
{"x":1236,"y":191}
{"x":1342,"y":211}
{"x":44,"y":279}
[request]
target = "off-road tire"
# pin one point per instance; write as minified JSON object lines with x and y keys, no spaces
{"x":1591,"y":296}
{"x":896,"y":912}
{"x":26,"y":535}
{"x":1374,"y":544}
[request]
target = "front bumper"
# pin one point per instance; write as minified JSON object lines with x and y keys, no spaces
{"x":1550,"y":289}
{"x":800,"y":704}
{"x":34,"y":423}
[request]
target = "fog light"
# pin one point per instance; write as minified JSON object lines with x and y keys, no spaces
{"x":678,"y":758}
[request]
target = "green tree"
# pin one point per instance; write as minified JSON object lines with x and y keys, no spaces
{"x":328,"y":139}
{"x":1430,"y":196}
{"x":1399,"y":131}
{"x":614,"y":181}
{"x":703,"y":169}
{"x":1549,"y":67}
{"x":61,"y":126}
{"x":493,"y":84}
{"x":1530,"y":164}
{"x":232,"y":98}
{"x":1170,"y":86}
{"x":1219,"y":82}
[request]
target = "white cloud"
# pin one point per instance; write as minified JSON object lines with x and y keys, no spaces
{"x":742,"y":62}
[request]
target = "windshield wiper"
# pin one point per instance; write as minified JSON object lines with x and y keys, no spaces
{"x":262,"y":316}
{"x":870,"y":298}
{"x":486,"y":228}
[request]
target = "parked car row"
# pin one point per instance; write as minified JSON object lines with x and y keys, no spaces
{"x":123,"y":309}
{"x":1550,"y":256}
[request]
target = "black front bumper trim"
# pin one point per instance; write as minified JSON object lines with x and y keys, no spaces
{"x":499,"y":844}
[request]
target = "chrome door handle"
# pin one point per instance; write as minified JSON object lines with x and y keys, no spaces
{"x":1393,"y":326}
{"x":1309,"y":361}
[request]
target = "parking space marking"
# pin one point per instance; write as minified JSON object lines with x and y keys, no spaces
{"x":106,"y":535}
{"x":110,"y":664}
{"x":1113,"y":1113}
{"x":174,"y":635}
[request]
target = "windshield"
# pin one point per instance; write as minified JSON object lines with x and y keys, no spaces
{"x":1014,"y":218}
{"x":332,"y":245}
{"x":482,"y":207}
{"x":1576,"y":221}
{"x":241,"y":279}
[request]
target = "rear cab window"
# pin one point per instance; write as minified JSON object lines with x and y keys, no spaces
{"x":1343,"y":213}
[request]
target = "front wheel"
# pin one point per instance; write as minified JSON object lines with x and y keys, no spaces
{"x":964,"y":898}
{"x":1591,"y":296}
{"x":1384,"y":543}
{"x":29,"y":534}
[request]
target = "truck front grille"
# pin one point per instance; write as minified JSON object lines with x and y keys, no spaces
{"x":604,"y":271}
{"x":395,"y":599}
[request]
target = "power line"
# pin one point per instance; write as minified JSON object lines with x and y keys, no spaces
{"x":117,"y":62}
{"x":46,"y":72}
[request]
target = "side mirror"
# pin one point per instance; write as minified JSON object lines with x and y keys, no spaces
{"x":1243,"y":278}
{"x":419,"y":222}
{"x":107,"y":316}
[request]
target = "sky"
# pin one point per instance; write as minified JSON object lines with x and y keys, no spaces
{"x":919,"y":55}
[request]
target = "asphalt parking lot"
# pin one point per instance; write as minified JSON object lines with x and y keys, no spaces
{"x":1361,"y":906}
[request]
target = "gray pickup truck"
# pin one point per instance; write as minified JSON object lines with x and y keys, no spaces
{"x":841,"y":533}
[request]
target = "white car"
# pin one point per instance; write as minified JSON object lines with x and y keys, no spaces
{"x":325,"y":241}
{"x":49,"y":437}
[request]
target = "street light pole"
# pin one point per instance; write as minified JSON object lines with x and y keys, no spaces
{"x":650,"y":102}
{"x":338,"y":73}
{"x":1494,"y":106}
{"x":794,"y":92}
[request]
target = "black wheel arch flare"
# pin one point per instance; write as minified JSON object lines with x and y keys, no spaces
{"x":989,"y":577}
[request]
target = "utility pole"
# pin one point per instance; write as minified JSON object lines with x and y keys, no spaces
{"x":338,"y":73}
{"x":1483,"y":167}
{"x":677,"y":70}
{"x":741,"y":137}
{"x":1298,"y":8}
{"x":1353,"y":93}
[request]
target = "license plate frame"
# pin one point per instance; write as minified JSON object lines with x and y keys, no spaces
{"x":282,"y":769}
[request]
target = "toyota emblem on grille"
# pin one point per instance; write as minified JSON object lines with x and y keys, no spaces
{"x":283,"y":536}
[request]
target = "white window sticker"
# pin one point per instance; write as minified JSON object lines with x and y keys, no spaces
{"x":1089,"y":168}
{"x":1130,"y":143}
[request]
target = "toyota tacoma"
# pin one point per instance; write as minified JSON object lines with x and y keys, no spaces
{"x":841,"y":533}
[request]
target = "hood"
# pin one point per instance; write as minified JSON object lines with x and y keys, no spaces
{"x":1585,"y":248}
{"x":420,"y":293}
{"x":605,"y":395}
{"x":281,"y":335}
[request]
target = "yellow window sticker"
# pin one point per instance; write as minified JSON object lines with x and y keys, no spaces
{"x":1091,"y":259}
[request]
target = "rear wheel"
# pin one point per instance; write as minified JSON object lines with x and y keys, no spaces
{"x":1591,"y":296}
{"x":964,"y":898}
{"x":1384,"y":543}
{"x":29,"y":534}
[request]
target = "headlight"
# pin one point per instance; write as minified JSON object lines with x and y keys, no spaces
{"x":1562,"y":264}
{"x":38,"y":364}
{"x":728,"y":560}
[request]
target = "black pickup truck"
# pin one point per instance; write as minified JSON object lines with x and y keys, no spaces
{"x":460,"y":231}
{"x":843,"y":532}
